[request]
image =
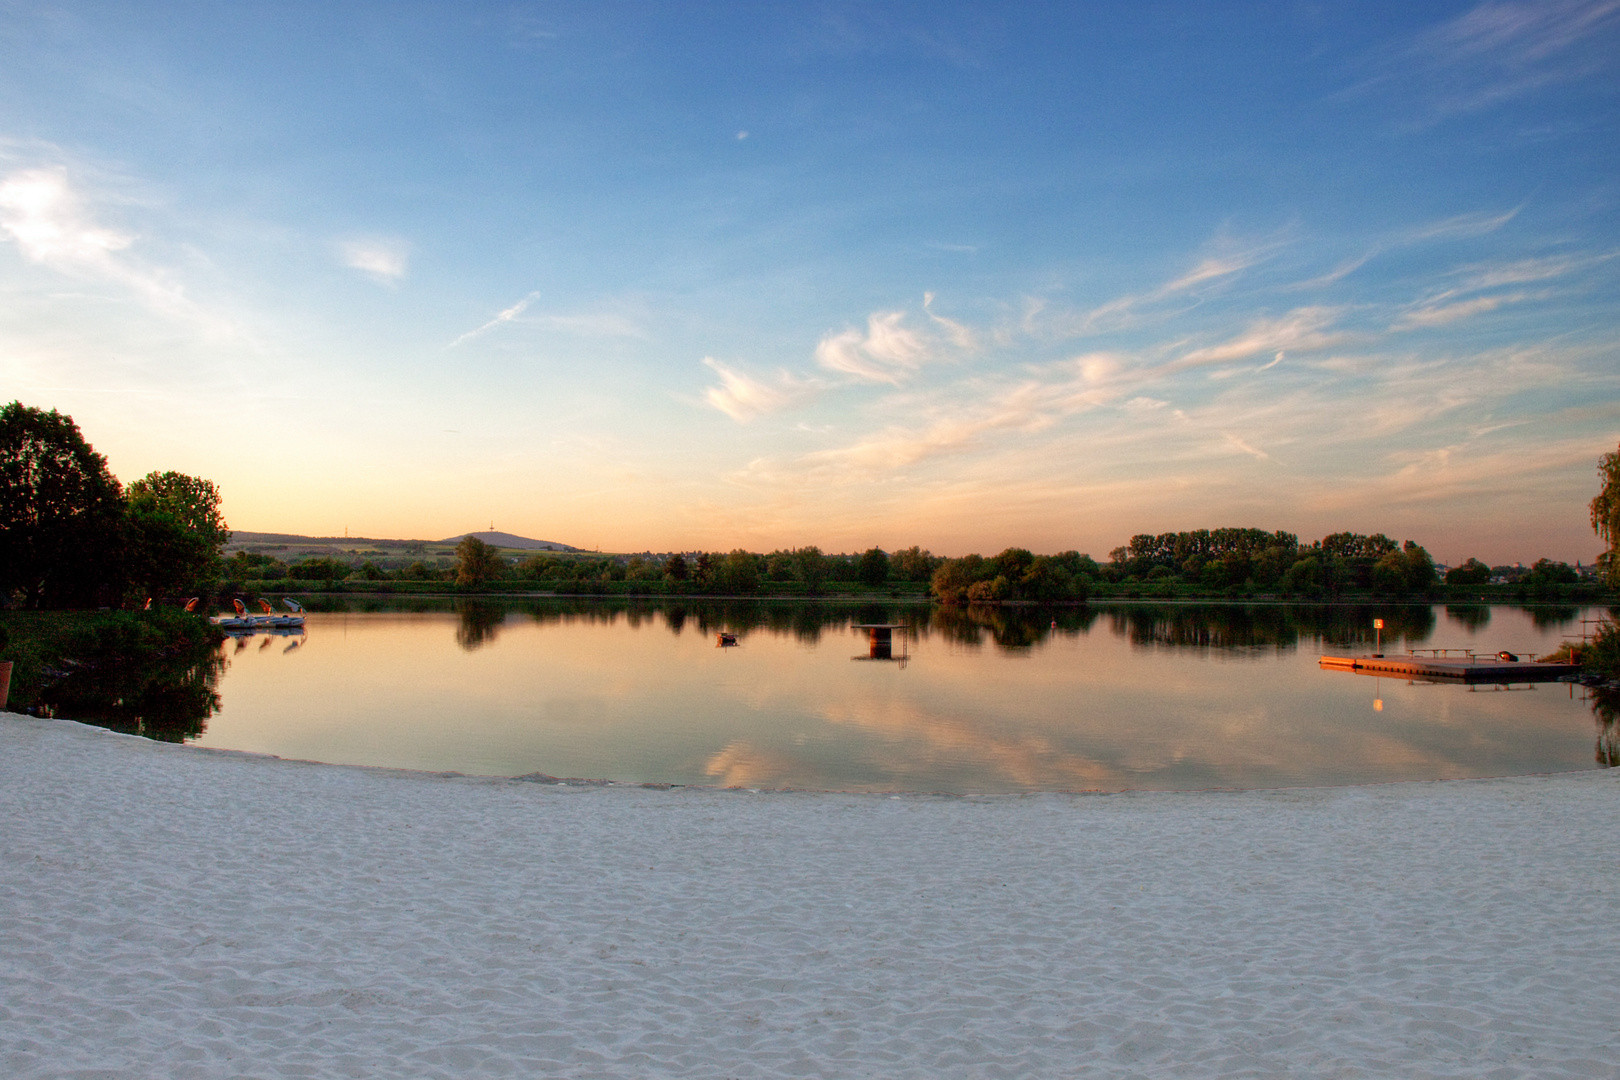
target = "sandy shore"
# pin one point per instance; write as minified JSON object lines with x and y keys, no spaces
{"x":168,"y":911}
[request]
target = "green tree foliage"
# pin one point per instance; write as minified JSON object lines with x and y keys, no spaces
{"x":477,"y":563}
{"x":61,"y":512}
{"x":990,"y":591}
{"x":1547,"y":572}
{"x":1188,"y":554}
{"x":703,"y":571}
{"x":738,"y":572}
{"x":675,"y":567}
{"x":419,"y":571}
{"x":810,"y":567}
{"x":953,"y":577}
{"x":1304,"y":576}
{"x":1606,"y":516}
{"x":874,"y":567}
{"x":319,"y":568}
{"x":1389,"y":574}
{"x":643,"y":569}
{"x":175,"y":534}
{"x":1015,"y":574}
{"x":912,"y":564}
{"x":246,"y":566}
{"x":1420,"y":571}
{"x":1472,"y":572}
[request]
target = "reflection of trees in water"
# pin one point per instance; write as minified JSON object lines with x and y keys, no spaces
{"x":1552,"y":616}
{"x":169,"y":699}
{"x":479,"y":623}
{"x":1201,"y":626}
{"x":1206,"y":626}
{"x":1351,"y":625}
{"x":1240,"y":626}
{"x":1471,"y":616}
{"x":1009,"y":627}
{"x":1606,"y":712}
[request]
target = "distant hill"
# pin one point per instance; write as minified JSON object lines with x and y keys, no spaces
{"x":507,"y":540}
{"x":337,"y":544}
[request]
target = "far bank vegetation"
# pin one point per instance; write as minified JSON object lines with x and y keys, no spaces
{"x":1236,"y":563}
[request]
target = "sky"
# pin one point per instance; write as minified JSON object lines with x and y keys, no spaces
{"x":649,"y":276}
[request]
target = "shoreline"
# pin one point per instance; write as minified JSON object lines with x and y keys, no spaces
{"x":170,"y":910}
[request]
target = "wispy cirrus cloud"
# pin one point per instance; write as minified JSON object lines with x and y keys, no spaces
{"x":49,"y":223}
{"x":960,"y":334}
{"x":1225,"y":259}
{"x":1523,"y":271}
{"x":1445,"y":314}
{"x":888,"y":351}
{"x":383,"y":259}
{"x":1457,"y":227}
{"x":53,"y":223}
{"x":964,"y":416}
{"x":505,"y":316}
{"x":743,"y":397}
{"x":1449,"y":306}
{"x":1497,"y":51}
{"x":1306,"y":329}
{"x":1124,"y":310}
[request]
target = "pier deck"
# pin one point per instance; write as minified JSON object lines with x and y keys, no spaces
{"x":1468,"y":669}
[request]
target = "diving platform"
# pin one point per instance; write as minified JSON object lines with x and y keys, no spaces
{"x":1465,"y":666}
{"x":880,"y":641}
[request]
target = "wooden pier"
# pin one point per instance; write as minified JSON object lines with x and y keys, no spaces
{"x":1467,"y":668}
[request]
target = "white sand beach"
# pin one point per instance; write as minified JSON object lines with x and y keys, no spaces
{"x":167,"y":911}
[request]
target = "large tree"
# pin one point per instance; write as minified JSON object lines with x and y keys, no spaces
{"x":175,"y":534}
{"x":874,"y":567}
{"x":1606,"y":515}
{"x":477,"y":563}
{"x":61,"y":512}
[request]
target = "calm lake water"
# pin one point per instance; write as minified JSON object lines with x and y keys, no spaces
{"x":1108,"y":698}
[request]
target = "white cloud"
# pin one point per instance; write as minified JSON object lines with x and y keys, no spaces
{"x":1523,"y":271}
{"x":1124,"y":311}
{"x":49,"y":223}
{"x":383,"y":259}
{"x":1460,"y":227}
{"x":1301,"y":330}
{"x":961,"y":336}
{"x":504,"y":317}
{"x":53,"y":224}
{"x":1497,"y":51}
{"x":1442,"y":314}
{"x":743,"y":397}
{"x":1243,"y":447}
{"x":887,"y":352}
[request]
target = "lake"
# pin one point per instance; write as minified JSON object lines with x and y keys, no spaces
{"x":1108,"y":697}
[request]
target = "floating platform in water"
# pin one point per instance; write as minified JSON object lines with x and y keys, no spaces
{"x":1466,"y":668}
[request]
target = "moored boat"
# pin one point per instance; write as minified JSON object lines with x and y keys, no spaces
{"x":244,"y":622}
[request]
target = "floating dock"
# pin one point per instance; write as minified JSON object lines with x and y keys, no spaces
{"x":1467,"y":668}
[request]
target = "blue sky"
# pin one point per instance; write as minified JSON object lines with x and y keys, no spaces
{"x":966,"y":276}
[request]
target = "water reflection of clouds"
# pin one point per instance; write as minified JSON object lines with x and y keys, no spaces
{"x":599,"y":693}
{"x":744,"y":765}
{"x":956,"y":743}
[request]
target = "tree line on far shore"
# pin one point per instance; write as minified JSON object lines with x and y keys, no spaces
{"x":72,"y":536}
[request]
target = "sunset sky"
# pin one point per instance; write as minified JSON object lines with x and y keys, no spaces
{"x":657,"y":276}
